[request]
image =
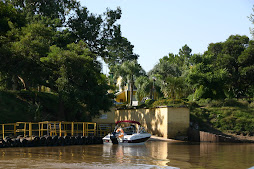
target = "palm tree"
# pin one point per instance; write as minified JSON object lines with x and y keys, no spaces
{"x":173,"y":87}
{"x":129,"y":71}
{"x":144,"y":87}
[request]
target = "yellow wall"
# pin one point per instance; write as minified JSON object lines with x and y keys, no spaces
{"x":123,"y":96}
{"x":154,"y":120}
{"x":108,"y":117}
{"x":166,"y":122}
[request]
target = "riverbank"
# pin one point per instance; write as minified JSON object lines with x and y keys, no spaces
{"x":242,"y":138}
{"x":228,"y":117}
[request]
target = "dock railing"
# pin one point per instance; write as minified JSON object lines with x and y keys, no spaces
{"x":104,"y":128}
{"x":49,"y":128}
{"x":19,"y":129}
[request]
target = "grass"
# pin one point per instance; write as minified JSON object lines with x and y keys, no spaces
{"x":229,"y":115}
{"x":235,"y":118}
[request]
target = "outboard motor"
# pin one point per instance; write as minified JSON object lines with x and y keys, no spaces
{"x":113,"y":138}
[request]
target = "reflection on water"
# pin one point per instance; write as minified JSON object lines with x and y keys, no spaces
{"x":154,"y":154}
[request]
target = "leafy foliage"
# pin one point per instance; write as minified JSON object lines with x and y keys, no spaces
{"x":230,"y":115}
{"x":55,"y":45}
{"x":234,"y":119}
{"x":144,"y":87}
{"x":170,"y":74}
{"x":221,"y":72}
{"x":89,"y":89}
{"x":170,"y":103}
{"x":128,"y":71}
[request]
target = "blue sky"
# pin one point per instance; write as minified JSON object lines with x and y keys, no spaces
{"x":159,"y":27}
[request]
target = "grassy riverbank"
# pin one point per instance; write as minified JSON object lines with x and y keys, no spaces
{"x":228,"y":116}
{"x":234,"y":117}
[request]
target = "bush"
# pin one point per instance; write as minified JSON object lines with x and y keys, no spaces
{"x":235,"y":103}
{"x":142,"y":105}
{"x":169,"y":102}
{"x":204,"y":102}
{"x":122,"y":106}
{"x":193,"y":105}
{"x":149,"y":102}
{"x":224,"y":103}
{"x":235,"y":119}
{"x":251,"y":105}
{"x":216,"y":103}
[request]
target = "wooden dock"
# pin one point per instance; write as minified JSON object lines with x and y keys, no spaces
{"x":52,"y":133}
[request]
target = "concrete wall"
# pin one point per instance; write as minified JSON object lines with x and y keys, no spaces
{"x":154,"y":120}
{"x":166,"y":122}
{"x":178,"y":121}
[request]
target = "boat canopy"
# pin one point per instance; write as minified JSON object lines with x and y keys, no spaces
{"x":127,"y":121}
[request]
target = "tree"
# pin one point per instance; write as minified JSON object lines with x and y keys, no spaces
{"x":53,"y":10}
{"x":144,"y":87}
{"x":10,"y":18}
{"x":221,"y":71}
{"x":73,"y":23}
{"x":129,"y":71}
{"x":31,"y":43}
{"x":77,"y":79}
{"x":184,"y":56}
{"x":227,"y":59}
{"x":251,"y":17}
{"x":57,"y":46}
{"x":171,"y":73}
{"x":208,"y":81}
{"x":102,"y":35}
{"x":165,"y":68}
{"x":173,"y":87}
{"x":246,"y":69}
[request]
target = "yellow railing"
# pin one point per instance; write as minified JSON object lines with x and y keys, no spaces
{"x":55,"y":128}
{"x":26,"y":128}
{"x":8,"y":129}
{"x":19,"y":128}
{"x":104,"y":128}
{"x":50,"y":128}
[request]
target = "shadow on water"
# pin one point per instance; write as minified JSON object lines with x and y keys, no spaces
{"x":154,"y":154}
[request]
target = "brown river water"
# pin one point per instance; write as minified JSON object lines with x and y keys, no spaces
{"x":154,"y":154}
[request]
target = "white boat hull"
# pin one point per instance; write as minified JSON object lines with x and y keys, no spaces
{"x":128,"y":139}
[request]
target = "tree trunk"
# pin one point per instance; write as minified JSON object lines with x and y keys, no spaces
{"x":151,"y":92}
{"x":14,"y":83}
{"x":131,"y":91}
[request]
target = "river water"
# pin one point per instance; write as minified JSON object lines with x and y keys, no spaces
{"x":154,"y":154}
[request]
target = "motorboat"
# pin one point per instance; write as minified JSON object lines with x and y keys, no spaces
{"x":127,"y":132}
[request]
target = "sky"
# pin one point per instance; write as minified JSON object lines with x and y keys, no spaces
{"x":159,"y":27}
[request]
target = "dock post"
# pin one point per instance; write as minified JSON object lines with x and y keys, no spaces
{"x":30,"y":129}
{"x":3,"y":129}
{"x":83,"y":129}
{"x":60,"y":129}
{"x":72,"y":128}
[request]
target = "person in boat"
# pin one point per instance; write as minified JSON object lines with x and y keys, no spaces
{"x":134,"y":128}
{"x":120,"y":132}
